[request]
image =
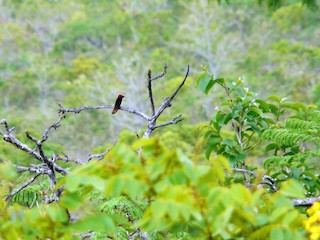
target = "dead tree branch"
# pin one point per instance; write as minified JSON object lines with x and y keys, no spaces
{"x":47,"y":167}
{"x":175,"y":120}
{"x":266,"y":180}
{"x":305,"y":202}
{"x":107,"y":106}
{"x":150,"y":92}
{"x":99,"y":156}
{"x":26,"y":184}
{"x":155,"y":114}
{"x":165,"y":104}
{"x":150,"y":79}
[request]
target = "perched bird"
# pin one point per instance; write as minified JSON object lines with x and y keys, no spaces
{"x":117,"y":104}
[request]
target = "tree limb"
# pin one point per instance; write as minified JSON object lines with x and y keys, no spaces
{"x":26,"y":184}
{"x":167,"y":102}
{"x":107,"y":106}
{"x":175,"y":120}
{"x":305,"y":202}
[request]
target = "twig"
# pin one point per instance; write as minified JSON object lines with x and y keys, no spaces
{"x":56,"y":196}
{"x":244,"y":171}
{"x":269,"y":181}
{"x":9,"y":197}
{"x":65,"y":158}
{"x":39,"y":169}
{"x":150,"y":79}
{"x":167,"y":102}
{"x":150,"y":92}
{"x":175,"y":120}
{"x":160,"y":75}
{"x":55,"y":125}
{"x":99,"y":156}
{"x":266,"y":180}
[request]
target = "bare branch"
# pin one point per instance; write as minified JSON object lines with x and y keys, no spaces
{"x":266,"y":180}
{"x":274,"y":188}
{"x":31,"y":137}
{"x":60,"y":169}
{"x":150,"y":92}
{"x":181,"y":84}
{"x":56,"y":196}
{"x":150,"y":79}
{"x":78,"y":110}
{"x":55,"y":125}
{"x":39,"y":169}
{"x":9,"y":197}
{"x":6,"y":127}
{"x":65,"y":158}
{"x":174,"y":121}
{"x":108,"y":106}
{"x":244,"y":171}
{"x":160,"y":75}
{"x":11,"y":139}
{"x":269,"y":181}
{"x":99,"y":156}
{"x":167,"y":102}
{"x":305,"y":202}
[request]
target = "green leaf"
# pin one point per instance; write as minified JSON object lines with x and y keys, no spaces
{"x":209,"y":150}
{"x":183,"y":158}
{"x":274,"y":109}
{"x":296,"y":106}
{"x":228,"y":142}
{"x":271,"y":146}
{"x":254,"y":127}
{"x":274,"y":98}
{"x":263,"y":105}
{"x":292,"y":188}
{"x":205,"y":82}
{"x":219,"y":80}
{"x":240,"y":157}
{"x":220,"y":118}
{"x":254,"y":111}
{"x":94,"y":223}
{"x":209,"y":86}
{"x":277,"y":234}
{"x":71,"y":200}
{"x":73,"y":182}
{"x":214,"y":140}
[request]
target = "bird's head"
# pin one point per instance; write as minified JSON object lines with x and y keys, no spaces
{"x":120,"y":96}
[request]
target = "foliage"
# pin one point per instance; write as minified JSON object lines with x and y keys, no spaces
{"x":295,"y":145}
{"x":131,"y":190}
{"x":240,"y":110}
{"x":251,"y":120}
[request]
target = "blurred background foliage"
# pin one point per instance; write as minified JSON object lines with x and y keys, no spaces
{"x":87,"y":52}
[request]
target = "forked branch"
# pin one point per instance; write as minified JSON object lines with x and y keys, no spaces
{"x":155,"y":114}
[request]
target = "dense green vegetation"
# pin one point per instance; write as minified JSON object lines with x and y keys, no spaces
{"x":243,"y":163}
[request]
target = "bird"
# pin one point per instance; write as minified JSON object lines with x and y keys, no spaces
{"x":117,"y":104}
